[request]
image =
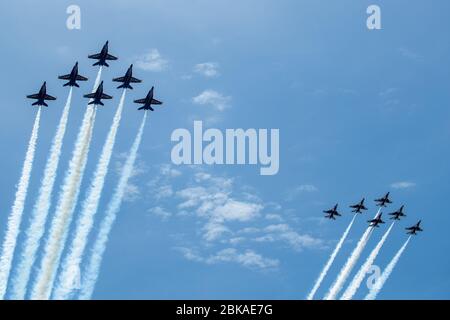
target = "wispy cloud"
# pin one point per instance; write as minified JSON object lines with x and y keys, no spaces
{"x":151,"y":61}
{"x":160,"y":212}
{"x":408,"y":53}
{"x":248,"y":258}
{"x":403,"y":185}
{"x":207,"y":69}
{"x":293,"y":193}
{"x":213,"y":98}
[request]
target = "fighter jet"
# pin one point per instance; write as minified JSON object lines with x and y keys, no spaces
{"x":41,"y":96}
{"x":358,"y":207}
{"x":102,"y":56}
{"x":73,"y":77}
{"x":148,"y":101}
{"x":414,"y":229}
{"x":382,"y":201}
{"x":127,"y":79}
{"x":97,"y":96}
{"x":330,"y":214}
{"x":375,"y":222}
{"x":396,"y":215}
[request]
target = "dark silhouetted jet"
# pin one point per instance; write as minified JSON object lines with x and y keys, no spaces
{"x":375,"y":222}
{"x":102,"y":56}
{"x":148,"y":101}
{"x":382,"y":201}
{"x":414,"y":229}
{"x":73,"y":77}
{"x":330,"y":214}
{"x":358,"y":207}
{"x":396,"y":215}
{"x":127,"y":79}
{"x":41,"y":96}
{"x":97,"y":96}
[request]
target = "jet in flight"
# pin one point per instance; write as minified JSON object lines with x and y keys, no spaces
{"x":375,"y":222}
{"x":127,"y":79}
{"x":330,"y":214}
{"x":97,"y":96}
{"x":73,"y":77}
{"x":358,"y":207}
{"x":41,"y":96}
{"x":414,"y":229}
{"x":397,"y":214}
{"x":102,"y":56}
{"x":382,"y":201}
{"x":148,"y":101}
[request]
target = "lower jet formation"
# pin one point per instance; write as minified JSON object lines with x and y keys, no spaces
{"x":73,"y":77}
{"x":330,"y":214}
{"x":397,"y":214}
{"x":127,"y":79}
{"x":41,"y":96}
{"x":381,"y":202}
{"x":414,"y":229}
{"x":148,"y":101}
{"x":357,"y":208}
{"x":375,"y":222}
{"x":97,"y":96}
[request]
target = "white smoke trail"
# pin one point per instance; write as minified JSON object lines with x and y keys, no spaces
{"x":330,"y":261}
{"x":351,"y":261}
{"x":359,"y":277}
{"x":65,"y":207}
{"x":85,"y":221}
{"x":41,"y":207}
{"x":91,"y":272}
{"x":15,"y":217}
{"x":386,"y":273}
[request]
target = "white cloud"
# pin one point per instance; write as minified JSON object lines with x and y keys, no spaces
{"x":160,"y":212}
{"x":408,"y":53}
{"x":283,"y":232}
{"x":249,"y":258}
{"x":152,"y":61}
{"x":303,"y":188}
{"x":403,"y":185}
{"x":207,"y":69}
{"x":214,"y":99}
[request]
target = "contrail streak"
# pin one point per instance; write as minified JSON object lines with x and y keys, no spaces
{"x":72,"y":261}
{"x":15,"y":217}
{"x":386,"y":273}
{"x":91,"y":272}
{"x":351,"y":261}
{"x":65,"y":207}
{"x":41,"y":207}
{"x":330,"y":260}
{"x":359,"y":277}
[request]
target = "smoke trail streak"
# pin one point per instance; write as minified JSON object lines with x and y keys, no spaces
{"x":330,"y":260}
{"x":359,"y":277}
{"x":65,"y":207}
{"x":15,"y":217}
{"x":41,"y":207}
{"x":85,"y":222}
{"x":386,"y":273}
{"x":91,"y":272}
{"x":351,"y":261}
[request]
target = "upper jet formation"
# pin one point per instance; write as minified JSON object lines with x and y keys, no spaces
{"x":382,"y":201}
{"x":358,"y":207}
{"x":127,"y":79}
{"x":97,"y":96}
{"x":41,"y":96}
{"x":375,"y":222}
{"x":397,"y":214}
{"x":414,"y":229}
{"x":330,"y":214}
{"x":73,"y":77}
{"x":102,"y":56}
{"x":148,"y":101}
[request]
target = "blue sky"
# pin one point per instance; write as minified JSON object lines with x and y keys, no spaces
{"x":360,"y":112}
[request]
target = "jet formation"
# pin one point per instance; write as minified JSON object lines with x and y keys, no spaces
{"x":98,"y":94}
{"x":382,"y":202}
